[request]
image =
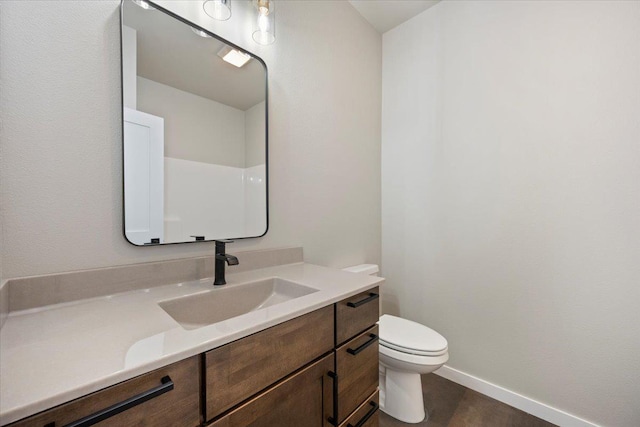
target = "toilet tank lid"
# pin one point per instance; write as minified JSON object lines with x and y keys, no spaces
{"x":363,"y":269}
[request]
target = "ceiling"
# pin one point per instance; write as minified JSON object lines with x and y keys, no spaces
{"x":170,"y":53}
{"x":387,"y":14}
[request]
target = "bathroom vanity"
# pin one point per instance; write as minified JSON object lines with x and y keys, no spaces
{"x":308,"y":361}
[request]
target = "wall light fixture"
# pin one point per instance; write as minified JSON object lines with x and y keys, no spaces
{"x":264,"y":27}
{"x":218,"y":9}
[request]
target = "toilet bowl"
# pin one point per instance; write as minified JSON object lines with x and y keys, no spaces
{"x":406,"y":350}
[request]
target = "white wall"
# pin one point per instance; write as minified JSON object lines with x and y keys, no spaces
{"x":61,"y":114}
{"x":255,"y":200}
{"x":511,"y":194}
{"x":193,"y":192}
{"x":195,"y":128}
{"x":129,"y":67}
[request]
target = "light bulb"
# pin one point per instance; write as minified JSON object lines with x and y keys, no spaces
{"x":263,"y":23}
{"x":264,"y":31}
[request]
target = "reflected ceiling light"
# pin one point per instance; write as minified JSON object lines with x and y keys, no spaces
{"x":200,"y":33}
{"x":143,"y":4}
{"x":234,"y":56}
{"x":264,"y":27}
{"x":218,"y":9}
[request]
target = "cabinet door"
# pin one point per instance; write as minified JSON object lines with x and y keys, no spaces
{"x":367,"y":414}
{"x":357,"y":367}
{"x":168,"y":396}
{"x":239,"y":370}
{"x":356,"y":314}
{"x":305,"y":399}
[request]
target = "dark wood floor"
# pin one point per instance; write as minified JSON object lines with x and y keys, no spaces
{"x":452,"y":405}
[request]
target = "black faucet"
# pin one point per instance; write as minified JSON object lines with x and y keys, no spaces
{"x":221,"y":258}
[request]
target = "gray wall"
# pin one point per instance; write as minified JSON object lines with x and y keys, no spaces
{"x":511,"y":195}
{"x":61,"y":165}
{"x":254,"y":119}
{"x":195,"y":128}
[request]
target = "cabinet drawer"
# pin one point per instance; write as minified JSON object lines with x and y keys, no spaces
{"x":170,"y":405}
{"x":357,"y":313}
{"x":239,"y":370}
{"x":366,"y":415}
{"x":357,"y":368}
{"x":305,"y":399}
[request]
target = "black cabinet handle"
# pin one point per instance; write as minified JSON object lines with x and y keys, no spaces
{"x":371,"y":297}
{"x":334,"y":419}
{"x":89,"y":420}
{"x":367,"y":416}
{"x":355,"y":351}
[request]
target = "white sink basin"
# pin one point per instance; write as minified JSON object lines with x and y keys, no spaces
{"x":218,"y":304}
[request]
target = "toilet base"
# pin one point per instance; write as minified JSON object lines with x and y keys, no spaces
{"x":401,"y":395}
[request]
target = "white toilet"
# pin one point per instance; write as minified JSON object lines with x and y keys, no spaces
{"x":407,"y":350}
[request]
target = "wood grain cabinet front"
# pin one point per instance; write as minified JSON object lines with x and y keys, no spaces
{"x":305,"y":399}
{"x":168,"y":396}
{"x":355,"y":314}
{"x":367,"y":414}
{"x":239,"y":370}
{"x":357,"y":369}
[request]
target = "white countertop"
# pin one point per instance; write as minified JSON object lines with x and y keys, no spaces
{"x":58,"y":353}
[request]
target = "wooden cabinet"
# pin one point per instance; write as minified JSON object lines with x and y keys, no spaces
{"x":245,"y":367}
{"x":357,"y":368}
{"x":304,"y":399}
{"x":239,"y":370}
{"x":357,"y":355}
{"x":356,"y":314}
{"x":168,"y":396}
{"x":317,"y":370}
{"x":366,"y":415}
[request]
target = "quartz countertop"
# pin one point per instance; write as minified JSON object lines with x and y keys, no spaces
{"x":58,"y":353}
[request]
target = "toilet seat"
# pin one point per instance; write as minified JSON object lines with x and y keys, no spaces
{"x":413,"y":351}
{"x":413,"y":359}
{"x":405,"y":336}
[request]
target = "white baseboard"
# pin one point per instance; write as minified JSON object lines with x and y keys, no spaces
{"x":533,"y":407}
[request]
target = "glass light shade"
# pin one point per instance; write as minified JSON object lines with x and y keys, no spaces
{"x":218,"y":9}
{"x":264,"y":26}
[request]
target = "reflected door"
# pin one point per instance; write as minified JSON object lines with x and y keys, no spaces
{"x":143,"y":177}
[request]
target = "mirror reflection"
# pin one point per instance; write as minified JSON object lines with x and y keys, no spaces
{"x":195,"y":126}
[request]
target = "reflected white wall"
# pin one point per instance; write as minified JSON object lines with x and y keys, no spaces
{"x":214,"y":201}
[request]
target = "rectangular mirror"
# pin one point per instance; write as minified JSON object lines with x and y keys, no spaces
{"x":194,"y":132}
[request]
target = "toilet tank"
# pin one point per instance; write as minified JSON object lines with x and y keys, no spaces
{"x":370,"y":269}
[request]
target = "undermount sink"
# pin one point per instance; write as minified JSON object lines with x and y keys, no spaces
{"x":218,"y":304}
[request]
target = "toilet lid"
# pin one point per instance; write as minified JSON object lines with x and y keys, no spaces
{"x":410,"y":337}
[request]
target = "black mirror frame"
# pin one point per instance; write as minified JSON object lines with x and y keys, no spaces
{"x":266,"y":108}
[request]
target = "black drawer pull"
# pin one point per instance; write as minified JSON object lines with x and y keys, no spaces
{"x":367,"y":416}
{"x":371,"y":297}
{"x":95,"y":418}
{"x":373,"y":339}
{"x":334,"y":419}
